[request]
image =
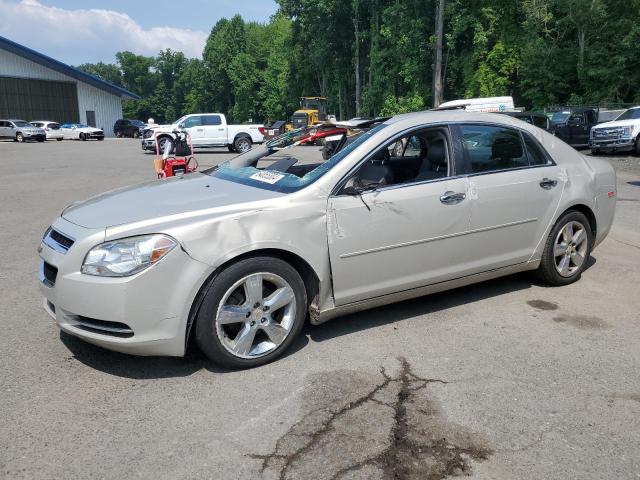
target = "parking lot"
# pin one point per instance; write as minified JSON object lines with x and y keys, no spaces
{"x":506,"y":379}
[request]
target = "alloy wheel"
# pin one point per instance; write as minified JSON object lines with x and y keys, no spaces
{"x":570,"y":249}
{"x":256,"y":315}
{"x":243,"y":145}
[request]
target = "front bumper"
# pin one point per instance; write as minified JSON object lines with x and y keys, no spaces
{"x":94,"y":136}
{"x":145,"y":314}
{"x":148,"y":144}
{"x":34,"y":136}
{"x":613,"y":145}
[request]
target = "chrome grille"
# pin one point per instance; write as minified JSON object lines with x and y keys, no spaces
{"x":57,"y":241}
{"x":614,"y":133}
{"x":147,"y":133}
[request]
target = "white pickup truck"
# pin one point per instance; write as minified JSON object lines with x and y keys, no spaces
{"x":206,"y":130}
{"x":622,"y":134}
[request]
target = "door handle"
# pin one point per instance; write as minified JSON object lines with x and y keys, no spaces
{"x":221,"y":129}
{"x":548,"y":184}
{"x":451,"y":198}
{"x":200,"y":130}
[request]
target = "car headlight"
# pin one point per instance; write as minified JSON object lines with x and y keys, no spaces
{"x":626,"y":131}
{"x":128,"y":256}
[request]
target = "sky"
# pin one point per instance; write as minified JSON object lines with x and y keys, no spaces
{"x":90,"y":31}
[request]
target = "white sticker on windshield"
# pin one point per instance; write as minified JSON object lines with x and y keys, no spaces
{"x":267,"y":177}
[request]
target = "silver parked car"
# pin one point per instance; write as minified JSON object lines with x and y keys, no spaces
{"x":241,"y":255}
{"x":21,"y":131}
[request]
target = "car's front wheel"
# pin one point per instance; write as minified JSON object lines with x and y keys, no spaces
{"x":567,"y":250}
{"x":19,"y":137}
{"x":83,"y":137}
{"x":251,"y":313}
{"x":638,"y":145}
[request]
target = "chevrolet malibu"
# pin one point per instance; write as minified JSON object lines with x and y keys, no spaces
{"x":240,"y":256}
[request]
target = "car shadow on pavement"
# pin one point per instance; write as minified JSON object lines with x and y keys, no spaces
{"x":144,"y":368}
{"x":426,"y":305}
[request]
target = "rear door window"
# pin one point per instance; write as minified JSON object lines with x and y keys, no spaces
{"x":489,"y":148}
{"x":54,"y":126}
{"x":211,"y":120}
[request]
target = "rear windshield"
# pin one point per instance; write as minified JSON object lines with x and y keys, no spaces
{"x":53,"y":126}
{"x":560,"y":117}
{"x":282,"y":165}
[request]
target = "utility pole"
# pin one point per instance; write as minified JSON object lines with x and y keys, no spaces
{"x":437,"y":65}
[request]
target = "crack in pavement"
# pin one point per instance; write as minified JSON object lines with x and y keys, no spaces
{"x":391,"y":430}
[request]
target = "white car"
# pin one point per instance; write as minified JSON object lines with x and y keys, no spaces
{"x":52,"y":129}
{"x":206,"y":130}
{"x":241,"y":255}
{"x":622,"y":134}
{"x":79,"y":131}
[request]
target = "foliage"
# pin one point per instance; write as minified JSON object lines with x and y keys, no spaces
{"x":373,"y":57}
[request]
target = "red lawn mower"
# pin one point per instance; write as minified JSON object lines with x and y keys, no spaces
{"x":177,"y":157}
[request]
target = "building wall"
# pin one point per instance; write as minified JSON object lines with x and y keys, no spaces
{"x":108,"y":107}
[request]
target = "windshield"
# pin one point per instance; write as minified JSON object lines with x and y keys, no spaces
{"x":631,"y":114}
{"x":81,"y":125}
{"x":283,"y":165}
{"x":137,"y":123}
{"x":22,"y":123}
{"x":560,"y":117}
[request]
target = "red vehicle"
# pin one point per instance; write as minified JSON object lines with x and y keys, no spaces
{"x":320,"y":131}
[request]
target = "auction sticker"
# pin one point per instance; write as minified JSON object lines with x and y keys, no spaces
{"x":267,"y":177}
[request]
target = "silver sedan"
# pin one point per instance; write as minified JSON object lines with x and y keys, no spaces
{"x":240,"y":256}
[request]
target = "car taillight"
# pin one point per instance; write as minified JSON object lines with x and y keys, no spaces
{"x":261,"y":130}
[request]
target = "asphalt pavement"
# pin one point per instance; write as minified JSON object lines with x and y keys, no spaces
{"x":507,"y":379}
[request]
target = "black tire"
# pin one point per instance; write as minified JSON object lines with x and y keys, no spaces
{"x":41,"y":140}
{"x":100,"y":139}
{"x":595,"y":151}
{"x":83,"y":137}
{"x":59,"y":139}
{"x":19,"y":137}
{"x":231,"y":149}
{"x":242,"y":144}
{"x":136,"y":134}
{"x":118,"y":134}
{"x":637,"y":149}
{"x":547,"y":272}
{"x":206,"y":329}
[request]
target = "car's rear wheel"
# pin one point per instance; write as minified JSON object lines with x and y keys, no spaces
{"x":83,"y":137}
{"x":119,"y":134}
{"x":19,"y":137}
{"x":251,"y":313}
{"x":567,"y":250}
{"x":136,"y":134}
{"x":242,"y":144}
{"x":59,"y":139}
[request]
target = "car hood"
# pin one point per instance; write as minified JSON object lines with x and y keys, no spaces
{"x":621,"y":123}
{"x":161,"y":198}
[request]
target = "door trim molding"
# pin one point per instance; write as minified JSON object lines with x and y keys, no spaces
{"x":330,"y":313}
{"x":435,"y":239}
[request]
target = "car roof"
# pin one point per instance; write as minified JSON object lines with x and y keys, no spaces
{"x":452,"y":116}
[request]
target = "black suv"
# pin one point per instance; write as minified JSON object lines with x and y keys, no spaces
{"x":128,"y":128}
{"x":574,"y":124}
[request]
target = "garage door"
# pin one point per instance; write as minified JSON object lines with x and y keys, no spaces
{"x":38,"y":100}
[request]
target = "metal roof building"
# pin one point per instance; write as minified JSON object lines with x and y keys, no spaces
{"x":34,"y":86}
